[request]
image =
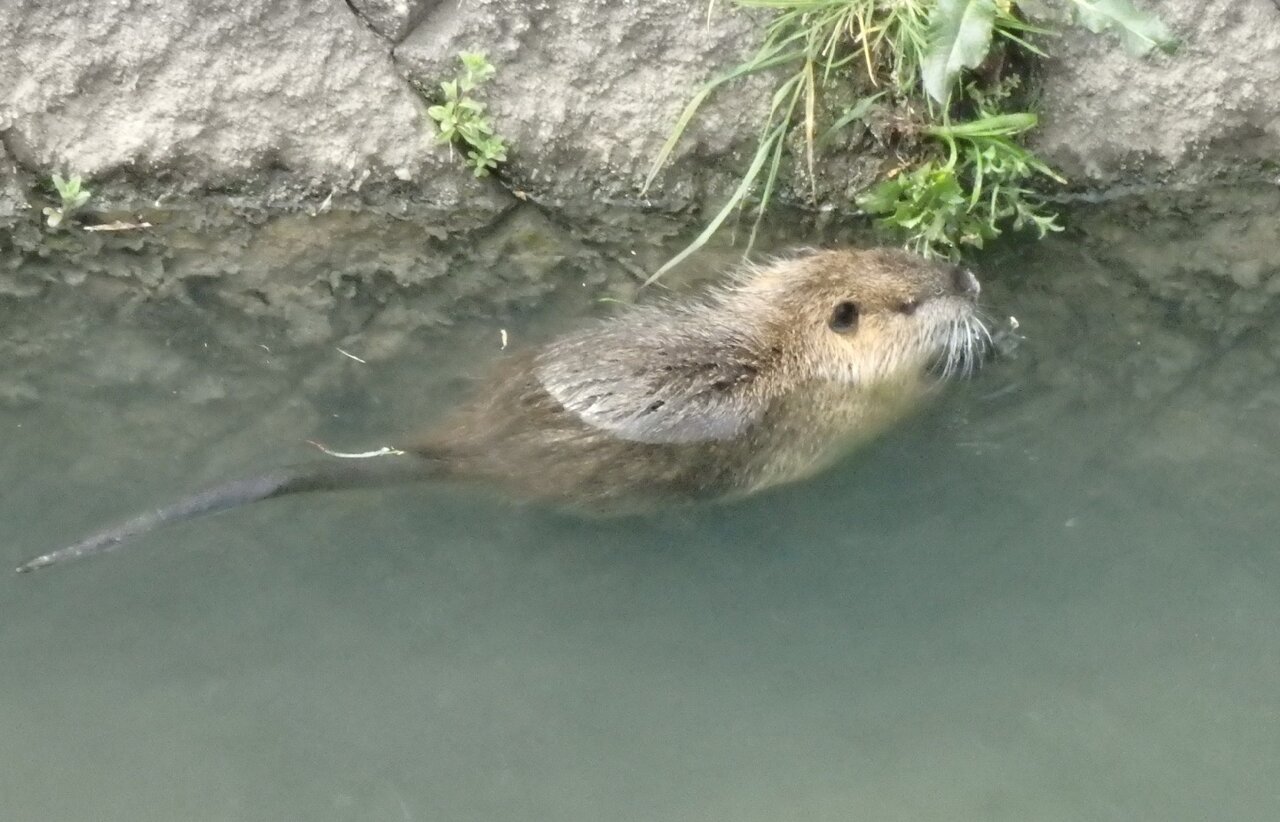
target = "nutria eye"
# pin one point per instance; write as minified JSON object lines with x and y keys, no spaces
{"x":844,"y":318}
{"x":909,"y":307}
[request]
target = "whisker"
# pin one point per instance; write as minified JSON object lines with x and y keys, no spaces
{"x":952,"y":347}
{"x":961,"y":344}
{"x":957,"y":346}
{"x":986,"y":333}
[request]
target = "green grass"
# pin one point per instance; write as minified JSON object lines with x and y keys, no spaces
{"x":939,"y":69}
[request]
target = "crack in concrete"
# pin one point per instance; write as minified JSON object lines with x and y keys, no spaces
{"x":367,"y":23}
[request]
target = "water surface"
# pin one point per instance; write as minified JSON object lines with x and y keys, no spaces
{"x":1052,"y":596}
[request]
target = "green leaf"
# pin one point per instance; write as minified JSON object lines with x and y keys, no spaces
{"x":998,"y":125}
{"x":1140,"y":31}
{"x":66,"y":188}
{"x":477,"y":66}
{"x":959,"y":38}
{"x":882,"y":198}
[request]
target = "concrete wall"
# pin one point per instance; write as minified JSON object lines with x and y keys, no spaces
{"x":293,"y":101}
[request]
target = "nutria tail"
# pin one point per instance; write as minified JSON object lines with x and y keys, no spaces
{"x":336,"y":475}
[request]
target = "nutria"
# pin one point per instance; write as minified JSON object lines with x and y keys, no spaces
{"x":759,"y":381}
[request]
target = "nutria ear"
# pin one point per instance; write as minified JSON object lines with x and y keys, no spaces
{"x":656,"y":382}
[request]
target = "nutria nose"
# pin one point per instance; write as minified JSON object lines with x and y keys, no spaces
{"x":963,"y":281}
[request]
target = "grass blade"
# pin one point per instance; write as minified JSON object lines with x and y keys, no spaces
{"x":768,"y":57}
{"x":810,"y":101}
{"x":739,"y":194}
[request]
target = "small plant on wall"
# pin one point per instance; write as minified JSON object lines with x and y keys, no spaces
{"x":461,"y":120}
{"x":73,"y":197}
{"x":944,"y":82}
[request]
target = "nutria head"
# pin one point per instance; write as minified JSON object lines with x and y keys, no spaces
{"x":861,"y":316}
{"x":689,"y":370}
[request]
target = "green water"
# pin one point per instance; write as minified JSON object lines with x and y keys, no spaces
{"x":1053,"y":596}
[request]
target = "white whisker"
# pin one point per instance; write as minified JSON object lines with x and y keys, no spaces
{"x":960,"y":343}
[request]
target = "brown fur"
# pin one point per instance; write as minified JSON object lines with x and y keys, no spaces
{"x":761,"y":348}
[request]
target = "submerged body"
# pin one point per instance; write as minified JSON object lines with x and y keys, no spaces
{"x":762,"y":381}
{"x":567,"y":462}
